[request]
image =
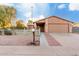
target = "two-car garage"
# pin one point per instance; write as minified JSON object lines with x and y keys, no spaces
{"x":58,"y":28}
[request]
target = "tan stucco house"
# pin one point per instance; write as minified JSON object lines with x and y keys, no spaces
{"x":54,"y":24}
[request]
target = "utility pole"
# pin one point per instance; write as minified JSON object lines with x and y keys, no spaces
{"x":33,"y":30}
{"x":32,"y":12}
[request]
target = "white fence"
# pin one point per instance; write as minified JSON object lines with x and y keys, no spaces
{"x":26,"y":32}
{"x":23,"y":32}
{"x":20,"y":32}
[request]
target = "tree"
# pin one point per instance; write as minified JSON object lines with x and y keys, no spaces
{"x":20,"y":24}
{"x":30,"y":21}
{"x":6,"y":15}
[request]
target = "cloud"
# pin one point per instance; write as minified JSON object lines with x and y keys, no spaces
{"x":73,"y":6}
{"x":28,"y":5}
{"x":28,"y":15}
{"x":37,"y":18}
{"x":25,"y":8}
{"x":61,"y":6}
{"x":41,"y":17}
{"x":7,"y":4}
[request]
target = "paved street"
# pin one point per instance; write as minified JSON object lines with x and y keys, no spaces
{"x":69,"y":46}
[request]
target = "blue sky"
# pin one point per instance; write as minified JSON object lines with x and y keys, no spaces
{"x":69,"y":11}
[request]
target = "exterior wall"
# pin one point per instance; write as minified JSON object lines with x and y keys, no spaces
{"x":70,"y":28}
{"x":46,"y":25}
{"x":41,"y":21}
{"x":30,"y":27}
{"x":35,"y":25}
{"x":58,"y":25}
{"x":56,"y":20}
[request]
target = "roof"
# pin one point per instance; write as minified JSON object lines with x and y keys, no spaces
{"x":55,"y":17}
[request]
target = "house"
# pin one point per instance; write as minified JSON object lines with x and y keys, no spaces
{"x":54,"y":24}
{"x":30,"y":25}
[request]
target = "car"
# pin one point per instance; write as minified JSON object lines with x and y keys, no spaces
{"x":8,"y":32}
{"x":0,"y":32}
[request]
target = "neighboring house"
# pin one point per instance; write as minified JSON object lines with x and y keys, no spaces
{"x":30,"y":25}
{"x":54,"y":24}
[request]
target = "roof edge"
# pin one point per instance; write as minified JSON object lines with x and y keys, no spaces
{"x":54,"y":16}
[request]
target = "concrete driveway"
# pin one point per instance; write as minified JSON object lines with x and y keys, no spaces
{"x":67,"y":39}
{"x":69,"y":42}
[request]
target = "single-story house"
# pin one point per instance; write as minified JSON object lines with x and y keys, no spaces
{"x":54,"y":24}
{"x":30,"y":25}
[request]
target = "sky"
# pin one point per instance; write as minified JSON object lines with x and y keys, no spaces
{"x":26,"y":11}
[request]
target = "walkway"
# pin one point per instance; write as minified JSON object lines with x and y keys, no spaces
{"x":51,"y":40}
{"x":43,"y":41}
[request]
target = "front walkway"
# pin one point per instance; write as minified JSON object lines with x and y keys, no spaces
{"x":43,"y":41}
{"x":51,"y":40}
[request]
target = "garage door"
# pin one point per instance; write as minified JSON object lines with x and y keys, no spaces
{"x":58,"y":28}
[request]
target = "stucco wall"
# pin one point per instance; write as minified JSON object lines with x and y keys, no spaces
{"x":58,"y":25}
{"x":56,"y":20}
{"x":46,"y":25}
